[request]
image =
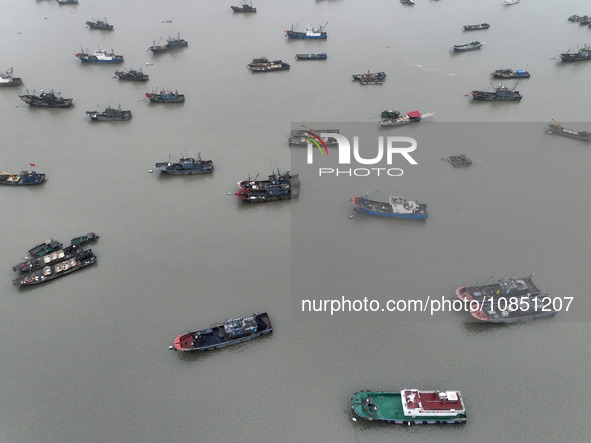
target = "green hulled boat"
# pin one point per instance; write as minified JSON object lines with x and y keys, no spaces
{"x":410,"y":406}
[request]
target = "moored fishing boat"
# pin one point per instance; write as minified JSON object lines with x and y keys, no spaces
{"x":467,"y":46}
{"x":396,"y":207}
{"x":559,"y":129}
{"x":23,"y":179}
{"x":264,"y":65}
{"x":300,"y":137}
{"x":165,"y":97}
{"x":276,"y":178}
{"x":171,"y":43}
{"x":510,"y":73}
{"x":51,"y":258}
{"x":70,"y":264}
{"x":244,"y":7}
{"x":103,"y":25}
{"x":109,"y":114}
{"x":132,"y":75}
{"x":501,"y":93}
{"x":410,"y":406}
{"x":411,"y":117}
{"x":582,"y":54}
{"x":48,"y":246}
{"x":7,"y":79}
{"x":510,"y":300}
{"x":230,"y":332}
{"x":47,"y":100}
{"x":185,"y":166}
{"x":476,"y":27}
{"x":459,"y":161}
{"x":370,"y":75}
{"x":309,"y":32}
{"x":321,"y":56}
{"x":99,"y":57}
{"x":284,"y":190}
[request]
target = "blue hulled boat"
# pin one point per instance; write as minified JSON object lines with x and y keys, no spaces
{"x":99,"y":57}
{"x":22,"y":179}
{"x":397,"y":207}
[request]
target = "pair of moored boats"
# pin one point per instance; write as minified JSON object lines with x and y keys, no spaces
{"x":171,"y":43}
{"x":278,"y":186}
{"x":263,"y":64}
{"x":510,"y":300}
{"x":371,"y":78}
{"x":48,"y":261}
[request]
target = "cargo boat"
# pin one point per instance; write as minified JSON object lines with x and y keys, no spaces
{"x":410,"y":406}
{"x":501,"y":93}
{"x":25,"y":178}
{"x":396,"y":207}
{"x":510,"y":73}
{"x":510,"y":300}
{"x":230,"y":332}
{"x":558,"y":129}
{"x":79,"y":261}
{"x":185,"y":166}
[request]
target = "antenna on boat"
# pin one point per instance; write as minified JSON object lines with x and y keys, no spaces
{"x":323,"y":27}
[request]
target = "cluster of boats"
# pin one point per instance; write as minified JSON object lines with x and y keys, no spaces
{"x":581,"y":19}
{"x":171,"y":43}
{"x":263,"y":64}
{"x":50,"y":260}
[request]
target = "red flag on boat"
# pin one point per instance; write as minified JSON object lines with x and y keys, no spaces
{"x":32,"y":164}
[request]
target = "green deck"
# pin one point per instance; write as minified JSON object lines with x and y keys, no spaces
{"x":389,"y":406}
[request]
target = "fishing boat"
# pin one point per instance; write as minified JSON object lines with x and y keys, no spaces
{"x":501,"y":93}
{"x":309,"y":32}
{"x":370,"y":75}
{"x":109,"y":114}
{"x":220,"y":335}
{"x":103,"y":25}
{"x":582,"y":54}
{"x":510,"y":2}
{"x":132,"y":75}
{"x":476,"y":27}
{"x":510,"y":73}
{"x":165,"y":97}
{"x":23,"y":179}
{"x":48,"y":246}
{"x":271,"y":192}
{"x":411,"y":117}
{"x":301,"y":137}
{"x":67,"y":2}
{"x":459,"y":161}
{"x":371,"y":79}
{"x":410,"y":406}
{"x":88,"y":238}
{"x":185,"y":166}
{"x":47,"y":100}
{"x":244,"y":7}
{"x":510,"y":300}
{"x":468,"y":46}
{"x":268,"y":66}
{"x":559,"y":129}
{"x":7,"y":79}
{"x":275,"y":179}
{"x":68,"y":265}
{"x":321,"y":56}
{"x":171,"y":43}
{"x":397,"y":207}
{"x":99,"y":57}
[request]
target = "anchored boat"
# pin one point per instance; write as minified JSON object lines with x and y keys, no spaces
{"x":109,"y":114}
{"x":284,"y":188}
{"x":459,"y":161}
{"x":165,"y":97}
{"x":103,"y":25}
{"x":264,"y":65}
{"x":501,"y":93}
{"x":171,"y":43}
{"x":91,"y":237}
{"x":510,"y":73}
{"x":185,"y":166}
{"x":7,"y":79}
{"x":99,"y":57}
{"x":510,"y":300}
{"x":476,"y":27}
{"x":582,"y":54}
{"x":70,"y":264}
{"x":132,"y":75}
{"x":23,"y":179}
{"x":47,"y":100}
{"x":321,"y":56}
{"x":410,"y":406}
{"x":559,"y":129}
{"x":230,"y":332}
{"x":397,"y":207}
{"x":309,"y":32}
{"x":244,"y":7}
{"x":275,"y":179}
{"x":375,"y":76}
{"x":468,"y":46}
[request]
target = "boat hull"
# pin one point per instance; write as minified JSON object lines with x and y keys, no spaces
{"x":378,"y":209}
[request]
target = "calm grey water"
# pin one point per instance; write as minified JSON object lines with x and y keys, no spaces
{"x":85,"y":359}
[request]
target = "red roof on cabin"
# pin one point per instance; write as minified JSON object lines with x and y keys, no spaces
{"x":414,"y":114}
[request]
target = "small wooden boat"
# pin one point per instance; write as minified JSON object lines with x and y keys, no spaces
{"x":459,"y":161}
{"x":476,"y":27}
{"x":468,"y":46}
